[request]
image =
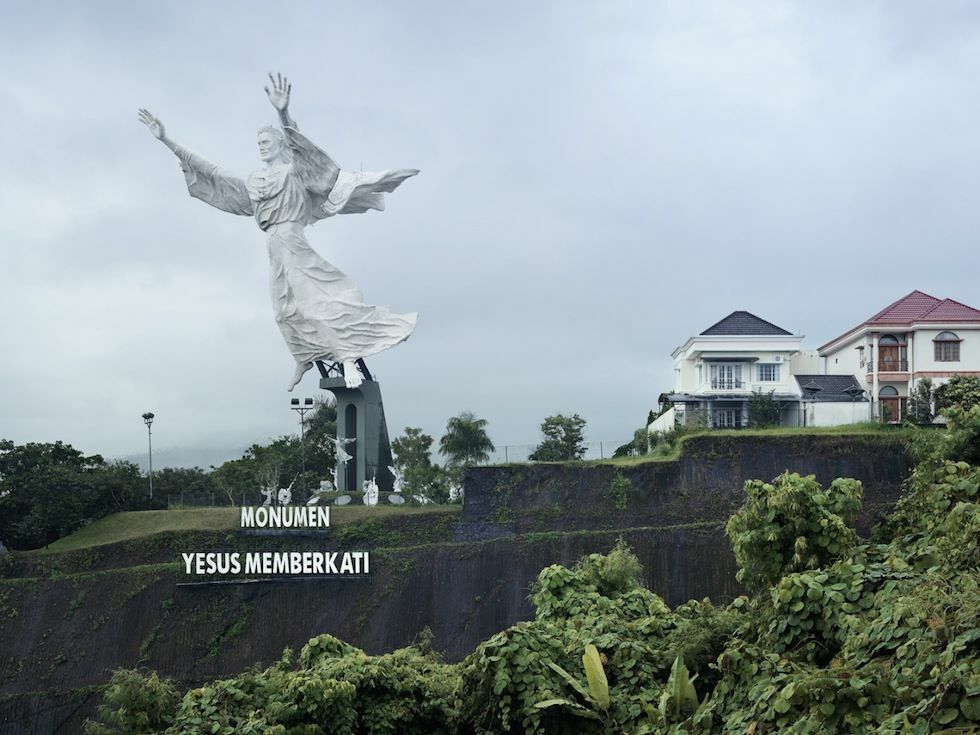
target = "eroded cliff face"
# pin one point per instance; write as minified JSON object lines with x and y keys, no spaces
{"x":704,"y":485}
{"x":66,"y":621}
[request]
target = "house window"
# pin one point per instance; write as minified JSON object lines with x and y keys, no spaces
{"x":768,"y":372}
{"x":947,"y":347}
{"x":727,"y":418}
{"x":726,"y":377}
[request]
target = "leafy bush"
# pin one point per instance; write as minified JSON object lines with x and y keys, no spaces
{"x":790,"y":525}
{"x":844,"y":637}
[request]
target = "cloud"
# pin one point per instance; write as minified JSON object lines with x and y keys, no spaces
{"x":598,"y":183}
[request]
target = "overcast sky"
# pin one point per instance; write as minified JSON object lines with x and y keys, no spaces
{"x":599,"y":181}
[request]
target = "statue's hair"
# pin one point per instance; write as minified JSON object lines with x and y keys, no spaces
{"x":285,"y":150}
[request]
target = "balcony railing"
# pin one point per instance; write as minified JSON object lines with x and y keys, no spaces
{"x":888,"y":366}
{"x":728,"y":384}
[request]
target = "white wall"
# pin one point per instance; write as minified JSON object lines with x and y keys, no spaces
{"x":663,"y":423}
{"x":924,"y":358}
{"x":829,"y":413}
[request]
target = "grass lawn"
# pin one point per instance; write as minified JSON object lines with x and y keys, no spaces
{"x":136,"y":524}
{"x":665,"y":453}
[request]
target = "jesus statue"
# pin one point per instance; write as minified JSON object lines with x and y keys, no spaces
{"x":320,"y":311}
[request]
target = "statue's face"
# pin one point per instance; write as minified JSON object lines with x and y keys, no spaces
{"x":269,"y":146}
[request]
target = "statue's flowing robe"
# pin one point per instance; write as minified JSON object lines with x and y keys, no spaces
{"x":320,"y":311}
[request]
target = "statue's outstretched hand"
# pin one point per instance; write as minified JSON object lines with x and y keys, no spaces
{"x":279,"y":94}
{"x":153,"y":123}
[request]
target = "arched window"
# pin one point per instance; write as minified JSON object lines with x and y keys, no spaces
{"x":947,"y":347}
{"x":888,"y":339}
{"x":888,"y":391}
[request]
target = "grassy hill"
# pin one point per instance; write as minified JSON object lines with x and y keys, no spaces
{"x":138,"y":524}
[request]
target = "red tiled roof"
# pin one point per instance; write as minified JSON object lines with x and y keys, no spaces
{"x":906,"y":310}
{"x":917,"y":307}
{"x":948,"y":310}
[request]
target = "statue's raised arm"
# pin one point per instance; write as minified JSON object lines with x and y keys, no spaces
{"x":205,"y":181}
{"x":314,"y":169}
{"x":320,"y":311}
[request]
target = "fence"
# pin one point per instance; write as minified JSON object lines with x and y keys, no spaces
{"x":522,"y":452}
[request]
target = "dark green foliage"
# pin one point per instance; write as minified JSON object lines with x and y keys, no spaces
{"x":334,"y":688}
{"x":620,"y":490}
{"x":465,"y":441}
{"x":49,"y":490}
{"x":564,"y":439}
{"x":960,"y":390}
{"x":920,"y":403}
{"x":845,"y":637}
{"x":636,"y":448}
{"x":176,"y":480}
{"x":764,"y":410}
{"x":280,"y":462}
{"x":413,"y":456}
{"x":790,"y":525}
{"x":133,"y":703}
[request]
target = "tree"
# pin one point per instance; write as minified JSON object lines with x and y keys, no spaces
{"x":563,"y":439}
{"x":413,"y":458}
{"x":49,"y":490}
{"x":466,"y":442}
{"x":280,"y":462}
{"x":764,"y":410}
{"x":638,"y":447}
{"x":960,"y":390}
{"x":920,"y":403}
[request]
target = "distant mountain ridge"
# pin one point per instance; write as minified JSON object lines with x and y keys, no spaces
{"x":202,"y":457}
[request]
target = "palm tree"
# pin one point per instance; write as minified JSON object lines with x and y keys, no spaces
{"x":465,"y":441}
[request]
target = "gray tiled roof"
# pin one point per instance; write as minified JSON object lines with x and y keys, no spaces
{"x":831,"y":387}
{"x":744,"y":323}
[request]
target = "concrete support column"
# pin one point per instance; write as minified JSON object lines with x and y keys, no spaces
{"x":874,"y":376}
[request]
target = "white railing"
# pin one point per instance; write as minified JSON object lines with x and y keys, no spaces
{"x":739,"y":386}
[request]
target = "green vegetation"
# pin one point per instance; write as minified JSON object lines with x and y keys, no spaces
{"x":619,"y":491}
{"x":960,"y":390}
{"x":764,"y":409}
{"x":466,"y":441}
{"x":49,"y":490}
{"x":670,"y":446}
{"x":140,"y":524}
{"x":564,"y":439}
{"x":413,"y":457}
{"x":843,"y":636}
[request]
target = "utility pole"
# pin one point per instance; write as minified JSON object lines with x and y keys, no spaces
{"x":148,"y":420}
{"x":302,"y":411}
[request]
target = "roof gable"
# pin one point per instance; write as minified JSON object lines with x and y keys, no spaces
{"x":906,"y":310}
{"x":948,"y":310}
{"x":830,"y":387}
{"x":744,"y":323}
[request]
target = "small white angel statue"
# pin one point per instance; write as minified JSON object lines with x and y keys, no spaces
{"x":399,"y":476}
{"x":370,"y":492}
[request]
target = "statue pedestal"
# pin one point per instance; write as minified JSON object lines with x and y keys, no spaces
{"x":361,"y":417}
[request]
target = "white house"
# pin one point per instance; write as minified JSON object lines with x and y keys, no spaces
{"x":918,"y":336}
{"x":716,"y":371}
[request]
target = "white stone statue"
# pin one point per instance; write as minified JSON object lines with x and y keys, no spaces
{"x":320,"y":311}
{"x":269,"y":492}
{"x":327,"y":486}
{"x":342,"y":456}
{"x":399,"y":476}
{"x":370,"y":492}
{"x":455,"y":493}
{"x":285,"y":496}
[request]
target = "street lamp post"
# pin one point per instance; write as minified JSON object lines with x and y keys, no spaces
{"x":302,"y":410}
{"x":148,"y":420}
